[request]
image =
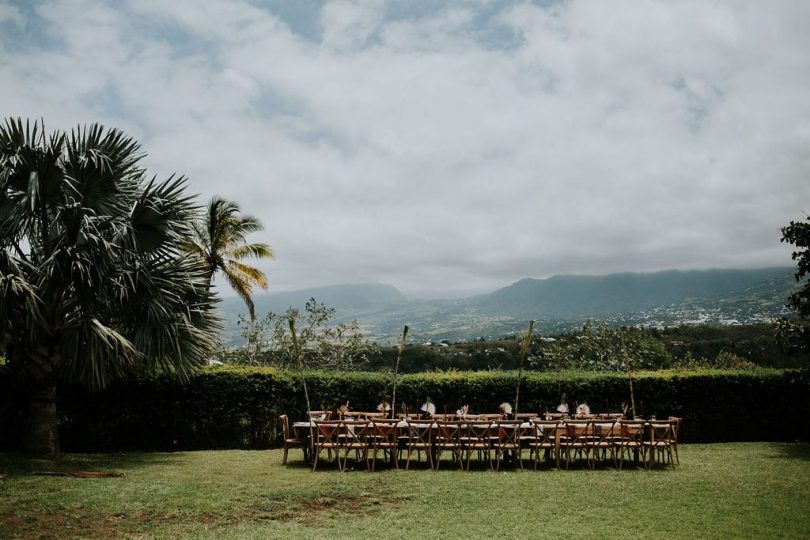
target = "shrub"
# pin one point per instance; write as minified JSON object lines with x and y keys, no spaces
{"x":238,"y":407}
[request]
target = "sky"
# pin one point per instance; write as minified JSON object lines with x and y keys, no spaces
{"x":448,"y":147}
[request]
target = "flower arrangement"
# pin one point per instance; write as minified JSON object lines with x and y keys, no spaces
{"x":428,"y":407}
{"x":506,"y":408}
{"x":583,"y":409}
{"x":562,"y":408}
{"x":463,"y":411}
{"x":383,"y":407}
{"x":343,"y":410}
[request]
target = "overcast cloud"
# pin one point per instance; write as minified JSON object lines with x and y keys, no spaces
{"x":449,"y":147}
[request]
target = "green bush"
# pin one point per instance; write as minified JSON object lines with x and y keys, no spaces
{"x":238,"y":407}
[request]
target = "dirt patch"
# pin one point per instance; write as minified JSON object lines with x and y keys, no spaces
{"x":315,"y":510}
{"x":73,"y":522}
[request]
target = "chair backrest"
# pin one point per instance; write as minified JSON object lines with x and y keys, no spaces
{"x":631,"y":431}
{"x":328,"y":431}
{"x":678,"y":421}
{"x":355,"y":432}
{"x":607,"y":416}
{"x":555,"y":416}
{"x":545,"y":431}
{"x":526,"y":416}
{"x":478,"y":433}
{"x":383,"y":429}
{"x":489,"y":416}
{"x":448,"y":432}
{"x":420,"y":433}
{"x":444,"y":416}
{"x":508,"y":433}
{"x":579,"y":430}
{"x":285,"y":426}
{"x":662,"y":431}
{"x":604,"y":430}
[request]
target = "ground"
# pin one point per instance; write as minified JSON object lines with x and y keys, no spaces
{"x":720,"y":491}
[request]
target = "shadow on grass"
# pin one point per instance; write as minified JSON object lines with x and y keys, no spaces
{"x":799,"y":451}
{"x":21,"y":464}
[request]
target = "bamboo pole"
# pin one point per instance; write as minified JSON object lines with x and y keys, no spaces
{"x":527,"y":339}
{"x":396,"y":372}
{"x":299,"y":357}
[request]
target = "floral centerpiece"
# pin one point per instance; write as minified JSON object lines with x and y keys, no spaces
{"x":583,"y":409}
{"x":463,"y":411}
{"x":383,"y":407}
{"x":506,"y":409}
{"x":428,"y":408}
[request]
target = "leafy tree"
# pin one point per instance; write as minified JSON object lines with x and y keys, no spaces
{"x":798,"y":234}
{"x":219,"y":240}
{"x":795,"y":335}
{"x":92,"y":284}
{"x":322,"y":344}
{"x":600,"y":348}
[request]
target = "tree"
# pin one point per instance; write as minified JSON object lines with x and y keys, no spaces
{"x":92,"y":284}
{"x":321,"y":344}
{"x":219,"y":240}
{"x":796,"y":335}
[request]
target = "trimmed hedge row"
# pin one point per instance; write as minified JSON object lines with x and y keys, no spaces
{"x":231,"y":407}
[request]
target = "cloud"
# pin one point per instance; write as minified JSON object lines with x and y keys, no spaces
{"x":451,"y":147}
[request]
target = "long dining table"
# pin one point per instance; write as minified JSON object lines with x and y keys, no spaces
{"x":563,"y":431}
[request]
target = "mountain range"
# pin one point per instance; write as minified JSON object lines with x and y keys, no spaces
{"x":558,"y":303}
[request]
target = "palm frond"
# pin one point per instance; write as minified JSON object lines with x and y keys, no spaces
{"x":244,"y":251}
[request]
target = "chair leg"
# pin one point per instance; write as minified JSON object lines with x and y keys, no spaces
{"x":284,"y":459}
{"x":315,"y":461}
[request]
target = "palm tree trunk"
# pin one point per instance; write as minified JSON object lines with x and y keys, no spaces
{"x":41,"y":435}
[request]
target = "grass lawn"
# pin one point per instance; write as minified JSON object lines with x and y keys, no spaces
{"x":720,"y":491}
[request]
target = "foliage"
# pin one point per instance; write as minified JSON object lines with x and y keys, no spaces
{"x":92,"y":282}
{"x":798,"y":234}
{"x":238,"y":407}
{"x":324,"y":345}
{"x":793,"y":335}
{"x":599,"y":347}
{"x":219,"y":240}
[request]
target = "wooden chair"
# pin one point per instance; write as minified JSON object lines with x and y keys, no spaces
{"x":578,"y":435}
{"x":602,"y":441}
{"x":630,"y":438}
{"x":420,"y":436}
{"x":447,"y":437}
{"x":382,"y":435}
{"x":352,"y":437}
{"x":327,"y":437}
{"x":678,"y":421}
{"x":508,"y":440}
{"x":544,"y":440}
{"x":660,"y":441}
{"x":290,"y":441}
{"x":477,"y":436}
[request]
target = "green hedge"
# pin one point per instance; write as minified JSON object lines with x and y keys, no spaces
{"x":231,"y":407}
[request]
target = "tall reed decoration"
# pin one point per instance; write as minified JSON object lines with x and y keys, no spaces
{"x":300,"y":360}
{"x":527,"y":339}
{"x":629,"y":375}
{"x":396,"y":372}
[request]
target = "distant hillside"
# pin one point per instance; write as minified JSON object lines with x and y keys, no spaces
{"x":559,"y":304}
{"x":569,"y":297}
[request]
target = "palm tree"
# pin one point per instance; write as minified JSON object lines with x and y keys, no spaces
{"x":92,"y":283}
{"x":219,"y":240}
